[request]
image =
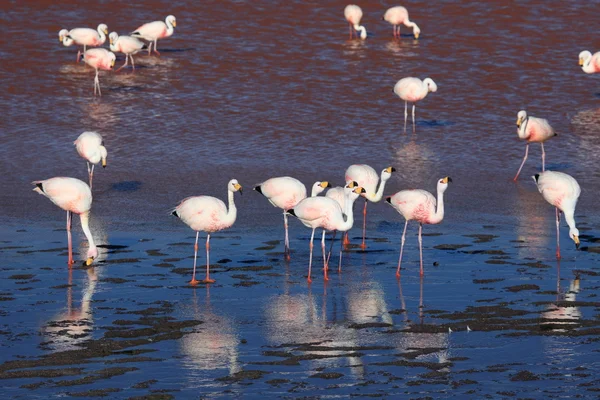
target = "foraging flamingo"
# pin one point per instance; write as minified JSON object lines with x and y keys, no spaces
{"x":285,"y":192}
{"x":562,"y":191}
{"x":73,"y":196}
{"x":413,"y":90}
{"x":84,"y":37}
{"x":323,"y":212}
{"x":590,"y":64}
{"x":127,"y":45}
{"x":90,"y":146}
{"x":353,"y":15}
{"x":367,"y":178}
{"x":152,"y":31}
{"x":207,"y":214}
{"x":419,"y":205}
{"x":533,"y":129}
{"x":99,"y":59}
{"x":399,"y":15}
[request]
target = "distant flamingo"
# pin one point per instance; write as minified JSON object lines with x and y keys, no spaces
{"x":207,"y":214}
{"x":367,"y":178}
{"x":99,"y":59}
{"x":152,"y":31}
{"x":419,"y":205}
{"x":562,"y":191}
{"x":590,"y":64}
{"x":399,"y":15}
{"x":84,"y":37}
{"x":127,"y":45}
{"x":353,"y":15}
{"x":413,"y":90}
{"x":533,"y":129}
{"x":285,"y":192}
{"x":73,"y":196}
{"x":90,"y":146}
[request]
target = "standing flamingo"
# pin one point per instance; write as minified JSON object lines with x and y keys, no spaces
{"x":533,"y":129}
{"x":73,"y":196}
{"x":90,"y":146}
{"x":341,"y":195}
{"x":590,"y":64}
{"x":367,"y":178}
{"x":419,"y":205}
{"x":326,"y":213}
{"x":84,"y":37}
{"x":152,"y":31}
{"x":562,"y":191}
{"x":399,"y":15}
{"x":99,"y":59}
{"x":207,"y":214}
{"x":353,"y":15}
{"x":127,"y":45}
{"x":413,"y":90}
{"x":285,"y":192}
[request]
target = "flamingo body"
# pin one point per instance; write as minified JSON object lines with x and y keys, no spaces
{"x":84,"y":37}
{"x":590,"y":64}
{"x":412,"y":90}
{"x":152,"y":31}
{"x":399,"y":15}
{"x":99,"y":59}
{"x":353,"y":15}
{"x":127,"y":45}
{"x":90,"y":146}
{"x":533,"y":130}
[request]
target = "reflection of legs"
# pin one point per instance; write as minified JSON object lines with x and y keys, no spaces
{"x":364,"y":246}
{"x":350,"y":30}
{"x":286,"y":248}
{"x":405,"y":113}
{"x":325,"y":266}
{"x":401,"y":249}
{"x":69,"y":242}
{"x":194,"y":281}
{"x":557,"y":234}
{"x":340,"y":262}
{"x":421,"y":249}
{"x":523,"y":163}
{"x":543,"y":158}
{"x":312,"y":236}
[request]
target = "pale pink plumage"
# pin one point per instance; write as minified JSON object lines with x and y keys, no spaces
{"x":590,"y":64}
{"x":536,"y":130}
{"x":90,"y":146}
{"x":399,"y":15}
{"x":99,"y":59}
{"x":152,"y":31}
{"x":127,"y":45}
{"x":84,"y":37}
{"x":412,"y":90}
{"x":353,"y":15}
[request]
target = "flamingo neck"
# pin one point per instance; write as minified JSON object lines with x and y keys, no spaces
{"x":102,"y":35}
{"x":85,"y":226}
{"x":375,"y":197}
{"x":410,"y":24}
{"x":522,"y":132}
{"x":587,"y":66}
{"x":347,"y":224}
{"x":362,"y":30}
{"x":232,"y":211}
{"x":170,"y":28}
{"x":439,"y":212}
{"x":314,"y":192}
{"x":569,"y":217}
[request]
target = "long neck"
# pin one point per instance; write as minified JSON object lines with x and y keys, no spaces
{"x":347,"y":225}
{"x":439,"y":212}
{"x":522,"y":132}
{"x":170,"y":27}
{"x":314,"y":191}
{"x":410,"y":24}
{"x":587,"y":66}
{"x":569,"y":217}
{"x":232,"y":211}
{"x":362,"y":30}
{"x":379,"y":194}
{"x":102,"y":35}
{"x":85,"y":225}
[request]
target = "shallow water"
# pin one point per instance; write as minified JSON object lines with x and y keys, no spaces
{"x":251,"y":91}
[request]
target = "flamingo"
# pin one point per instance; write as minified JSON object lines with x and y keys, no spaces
{"x":340,"y":195}
{"x":285,"y":192}
{"x":367,"y":178}
{"x":353,"y":15}
{"x":326,"y":213}
{"x":419,"y":205}
{"x":399,"y":15}
{"x":99,"y":59}
{"x":127,"y":45}
{"x":562,"y":191}
{"x":84,"y":37}
{"x":413,"y":90}
{"x":90,"y":146}
{"x":533,"y":129}
{"x":207,"y":214}
{"x":590,"y":64}
{"x":152,"y":31}
{"x":73,"y":196}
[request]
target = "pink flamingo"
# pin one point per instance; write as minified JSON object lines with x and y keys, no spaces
{"x":533,"y":129}
{"x":90,"y":146}
{"x":99,"y":59}
{"x":127,"y":45}
{"x":562,"y":191}
{"x":84,"y":37}
{"x":590,"y":64}
{"x":399,"y":15}
{"x":207,"y":214}
{"x":413,"y":90}
{"x":340,"y":195}
{"x":73,"y":196}
{"x":419,"y":205}
{"x":353,"y":15}
{"x":152,"y":31}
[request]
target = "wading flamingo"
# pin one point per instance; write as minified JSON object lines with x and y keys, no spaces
{"x":353,"y":15}
{"x":90,"y":146}
{"x":590,"y":64}
{"x":413,"y":90}
{"x":207,"y":214}
{"x":562,"y":191}
{"x":340,"y":195}
{"x":399,"y":15}
{"x":127,"y":45}
{"x":533,"y":129}
{"x":84,"y":37}
{"x":285,"y":192}
{"x":73,"y":196}
{"x":367,"y":178}
{"x":152,"y":31}
{"x":99,"y":59}
{"x":419,"y":205}
{"x":326,"y":213}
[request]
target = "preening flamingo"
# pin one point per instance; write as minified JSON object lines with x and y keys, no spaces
{"x":207,"y":214}
{"x":590,"y":64}
{"x":353,"y":15}
{"x":99,"y":59}
{"x":340,"y":195}
{"x":84,"y":37}
{"x":533,"y":129}
{"x":152,"y":31}
{"x":90,"y":146}
{"x":127,"y":45}
{"x":399,"y":15}
{"x":323,"y":212}
{"x":562,"y":191}
{"x":419,"y":205}
{"x":367,"y":178}
{"x":285,"y":192}
{"x":413,"y":90}
{"x":73,"y":196}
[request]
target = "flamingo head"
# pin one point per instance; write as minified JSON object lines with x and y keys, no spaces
{"x":521,"y":116}
{"x":386,"y":174}
{"x":584,"y":56}
{"x":103,"y":154}
{"x":65,"y":32}
{"x":416,"y":31}
{"x":319,"y":186}
{"x":234,"y":186}
{"x":443,"y":184}
{"x":172,"y":20}
{"x":112,"y":58}
{"x":356,"y":193}
{"x":431,"y":86}
{"x":113,"y":37}
{"x":574,"y":234}
{"x":103,"y":28}
{"x":92,"y":254}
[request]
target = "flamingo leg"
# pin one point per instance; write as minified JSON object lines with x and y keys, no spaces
{"x":132,"y":63}
{"x":124,"y":65}
{"x":89,"y":173}
{"x":78,"y":55}
{"x":91,"y":176}
{"x":340,"y":261}
{"x":208,"y":280}
{"x":421,"y":250}
{"x":405,"y":113}
{"x":325,"y":266}
{"x":156,"y":51}
{"x":523,"y":163}
{"x":401,"y":249}
{"x":350,"y":30}
{"x":395,"y":32}
{"x":413,"y":116}
{"x":557,"y":234}
{"x":543,"y":158}
{"x":312,"y":236}
{"x":97,"y":84}
{"x":194,"y":281}
{"x":363,"y":245}
{"x":149,"y":48}
{"x":286,"y":248}
{"x":69,"y":240}
{"x":346,"y":241}
{"x":331,"y":246}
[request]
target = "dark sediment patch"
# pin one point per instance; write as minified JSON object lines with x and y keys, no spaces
{"x":144,"y":384}
{"x":480,"y":281}
{"x":65,"y":286}
{"x":414,"y":353}
{"x":488,"y":252}
{"x":524,"y":376}
{"x":536,"y":264}
{"x":451,"y":246}
{"x":122,"y":261}
{"x":243,"y":375}
{"x":153,"y":396}
{"x":252,"y":268}
{"x":115,"y":280}
{"x":6,"y":298}
{"x":164,"y":265}
{"x":397,"y":311}
{"x":95,"y":376}
{"x":520,"y":288}
{"x":264,"y":248}
{"x":482,"y":238}
{"x":133,"y":359}
{"x":275,"y":382}
{"x":21,"y":277}
{"x":370,"y":325}
{"x":420,"y":364}
{"x":578,"y":272}
{"x":94,"y":392}
{"x":246,"y":284}
{"x":327,"y":375}
{"x":155,"y":253}
{"x":40,"y":373}
{"x":499,"y":262}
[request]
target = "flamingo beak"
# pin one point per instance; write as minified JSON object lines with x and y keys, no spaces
{"x":112,"y":63}
{"x":89,"y":261}
{"x":106,"y":31}
{"x":576,"y":240}
{"x":352,"y":184}
{"x":359,"y":190}
{"x":389,"y":170}
{"x":519,"y":122}
{"x":60,"y":39}
{"x":416,"y":36}
{"x":174,"y":24}
{"x":325,"y":184}
{"x":447,"y":179}
{"x":238,"y":187}
{"x":580,"y":61}
{"x":104,"y":163}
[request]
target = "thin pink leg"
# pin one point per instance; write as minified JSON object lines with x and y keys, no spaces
{"x":312,"y":236}
{"x":155,"y":50}
{"x":346,"y":241}
{"x":69,"y":242}
{"x":124,"y":65}
{"x":78,"y":55}
{"x":557,"y":234}
{"x":364,"y":245}
{"x":286,"y":248}
{"x":194,"y":281}
{"x":340,"y":260}
{"x":91,"y":176}
{"x":150,"y":48}
{"x":132,"y":63}
{"x":331,"y":246}
{"x":543,"y":158}
{"x":405,"y":114}
{"x":523,"y":163}
{"x":325,"y":266}
{"x":350,"y":30}
{"x":421,"y":249}
{"x":401,"y":249}
{"x":208,"y":280}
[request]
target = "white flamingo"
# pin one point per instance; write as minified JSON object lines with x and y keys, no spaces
{"x":399,"y":15}
{"x":413,"y":90}
{"x":127,"y":45}
{"x":341,"y":195}
{"x":534,"y":130}
{"x":84,"y":37}
{"x":353,"y":15}
{"x":152,"y":31}
{"x":590,"y":64}
{"x":90,"y":146}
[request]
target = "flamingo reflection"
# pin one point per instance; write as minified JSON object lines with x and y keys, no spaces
{"x":557,"y":317}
